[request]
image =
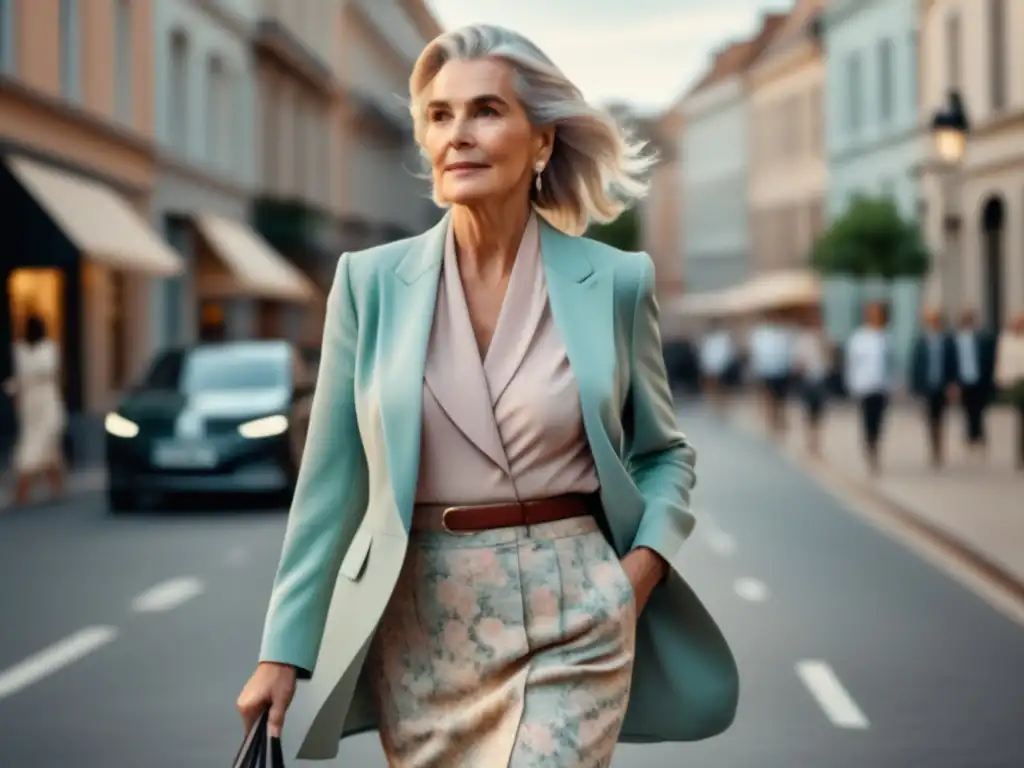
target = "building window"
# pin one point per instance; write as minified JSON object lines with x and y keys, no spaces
{"x":953,"y":61}
{"x":217,"y":107}
{"x":7,"y":37}
{"x":70,"y":50}
{"x":178,"y":93}
{"x":886,"y":76}
{"x":123,"y":60}
{"x":854,"y":93}
{"x":997,"y":33}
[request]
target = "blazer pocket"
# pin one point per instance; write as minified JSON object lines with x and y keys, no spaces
{"x":354,"y":562}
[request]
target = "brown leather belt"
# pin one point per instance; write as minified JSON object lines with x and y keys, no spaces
{"x":486,"y":517}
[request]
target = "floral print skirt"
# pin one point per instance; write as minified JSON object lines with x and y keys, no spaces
{"x":511,"y":647}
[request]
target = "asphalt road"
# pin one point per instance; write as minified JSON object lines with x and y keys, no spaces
{"x":123,"y":642}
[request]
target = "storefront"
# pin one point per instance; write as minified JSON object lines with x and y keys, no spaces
{"x":78,"y":254}
{"x":245,"y":288}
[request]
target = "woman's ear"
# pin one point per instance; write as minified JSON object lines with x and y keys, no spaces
{"x":545,"y":144}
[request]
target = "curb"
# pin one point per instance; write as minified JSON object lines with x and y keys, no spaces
{"x":79,"y":482}
{"x":823,"y":470}
{"x":976,"y":559}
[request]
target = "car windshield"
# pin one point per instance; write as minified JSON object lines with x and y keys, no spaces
{"x":218,"y":369}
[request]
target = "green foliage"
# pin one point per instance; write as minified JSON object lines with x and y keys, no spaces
{"x":872,"y":239}
{"x":622,"y":233}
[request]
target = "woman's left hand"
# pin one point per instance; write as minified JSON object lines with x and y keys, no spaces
{"x":645,"y":569}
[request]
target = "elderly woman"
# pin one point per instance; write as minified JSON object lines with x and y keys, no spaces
{"x":479,"y":555}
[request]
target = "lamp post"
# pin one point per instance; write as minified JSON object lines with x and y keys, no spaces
{"x":950,"y":127}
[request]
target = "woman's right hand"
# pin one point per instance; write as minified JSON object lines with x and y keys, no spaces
{"x":272,"y":687}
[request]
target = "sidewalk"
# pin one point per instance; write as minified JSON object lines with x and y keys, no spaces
{"x":978,"y":508}
{"x":86,"y":480}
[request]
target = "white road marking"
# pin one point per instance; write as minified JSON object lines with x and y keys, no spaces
{"x":720,"y":542}
{"x":751,"y":589}
{"x":830,"y":694}
{"x":53,"y":659}
{"x":168,"y":595}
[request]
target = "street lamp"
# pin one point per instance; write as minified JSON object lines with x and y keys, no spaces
{"x":949,"y":128}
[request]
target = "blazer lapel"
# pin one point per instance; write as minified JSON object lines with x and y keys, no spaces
{"x":454,"y":372}
{"x":404,"y":336}
{"x":582,"y":305}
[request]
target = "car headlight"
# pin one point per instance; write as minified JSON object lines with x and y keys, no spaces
{"x":118,"y":426}
{"x":268,"y":426}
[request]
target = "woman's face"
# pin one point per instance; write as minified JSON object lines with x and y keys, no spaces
{"x":478,"y":138}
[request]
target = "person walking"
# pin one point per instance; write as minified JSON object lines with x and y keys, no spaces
{"x":1009,"y":375}
{"x":717,"y":357}
{"x":813,"y":363}
{"x":42,"y":418}
{"x":479,"y":560}
{"x":933,"y":370}
{"x":868,"y":377}
{"x":771,"y":356}
{"x":975,"y":383}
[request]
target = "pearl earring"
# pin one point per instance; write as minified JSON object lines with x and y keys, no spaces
{"x":539,"y":168}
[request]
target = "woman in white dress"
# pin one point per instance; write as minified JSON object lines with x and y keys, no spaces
{"x":42,"y":417}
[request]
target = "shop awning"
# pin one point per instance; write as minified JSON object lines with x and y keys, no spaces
{"x":253,"y":268}
{"x":100,"y":223}
{"x":783,"y":289}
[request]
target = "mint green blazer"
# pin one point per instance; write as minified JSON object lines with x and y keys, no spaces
{"x":348,"y":526}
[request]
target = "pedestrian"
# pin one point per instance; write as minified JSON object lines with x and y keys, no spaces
{"x":717,"y":356}
{"x":42,"y":418}
{"x":975,"y":378}
{"x":771,"y":356}
{"x":478,"y":557}
{"x":933,"y":370}
{"x":868,"y":374}
{"x":1009,"y":375}
{"x":813,"y":363}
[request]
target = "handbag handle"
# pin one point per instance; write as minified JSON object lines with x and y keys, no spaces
{"x":256,"y":741}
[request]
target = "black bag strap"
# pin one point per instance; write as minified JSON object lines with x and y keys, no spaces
{"x":254,"y":746}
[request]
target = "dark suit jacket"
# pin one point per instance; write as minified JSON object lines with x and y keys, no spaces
{"x":985,"y":354}
{"x":920,"y":366}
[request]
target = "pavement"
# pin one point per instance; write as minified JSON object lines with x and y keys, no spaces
{"x":974,"y":506}
{"x":128,"y":638}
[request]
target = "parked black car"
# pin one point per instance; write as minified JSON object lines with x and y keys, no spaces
{"x":226,"y":417}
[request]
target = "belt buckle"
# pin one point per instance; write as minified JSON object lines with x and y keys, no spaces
{"x":444,"y":522}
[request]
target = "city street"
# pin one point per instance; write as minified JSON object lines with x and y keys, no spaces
{"x":125,"y":640}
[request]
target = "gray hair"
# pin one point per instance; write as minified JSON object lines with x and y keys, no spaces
{"x":596,"y":171}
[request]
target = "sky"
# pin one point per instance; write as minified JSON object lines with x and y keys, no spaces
{"x":646,"y":52}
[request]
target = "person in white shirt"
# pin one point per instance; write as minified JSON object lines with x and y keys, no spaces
{"x":1010,"y":375}
{"x":717,"y":355}
{"x":868,"y":376}
{"x":771,"y":352}
{"x":812,"y":362}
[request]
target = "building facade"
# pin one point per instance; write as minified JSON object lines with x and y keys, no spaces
{"x":975,"y":212}
{"x":294,"y":46}
{"x":235,"y":284}
{"x":788,"y":171}
{"x":76,"y":177}
{"x":338,"y":166}
{"x":380,"y":195}
{"x":717,"y":232}
{"x":872,"y":106}
{"x":661,"y":217}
